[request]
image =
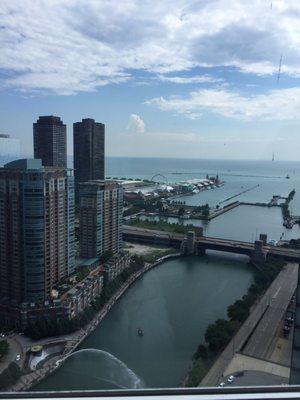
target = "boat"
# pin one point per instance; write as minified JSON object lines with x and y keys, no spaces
{"x":140,"y":332}
{"x":287,"y":177}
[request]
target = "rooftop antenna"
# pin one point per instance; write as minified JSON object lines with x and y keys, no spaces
{"x":279,"y":69}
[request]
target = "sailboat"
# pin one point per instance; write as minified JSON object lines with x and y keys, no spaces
{"x":273,"y":158}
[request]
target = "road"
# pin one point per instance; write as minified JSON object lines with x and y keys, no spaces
{"x":213,"y":376}
{"x":261,"y":339}
{"x":235,"y":246}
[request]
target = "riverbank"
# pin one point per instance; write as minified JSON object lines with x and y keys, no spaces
{"x":209,"y":366}
{"x":31,"y":379}
{"x":219,"y":334}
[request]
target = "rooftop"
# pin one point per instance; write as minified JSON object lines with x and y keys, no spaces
{"x":25,"y":164}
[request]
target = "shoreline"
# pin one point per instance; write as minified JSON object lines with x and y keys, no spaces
{"x":241,"y":338}
{"x":26,"y":381}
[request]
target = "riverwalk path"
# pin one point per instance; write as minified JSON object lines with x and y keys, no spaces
{"x":73,"y":341}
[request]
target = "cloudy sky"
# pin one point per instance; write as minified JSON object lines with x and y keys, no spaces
{"x":178,"y":78}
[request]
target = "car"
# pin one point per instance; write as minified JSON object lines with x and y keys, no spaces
{"x":272,"y":242}
{"x":18,"y":357}
{"x":230,"y":379}
{"x":221,"y":384}
{"x":2,"y":335}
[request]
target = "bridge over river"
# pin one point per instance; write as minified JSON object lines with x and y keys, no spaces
{"x":202,"y":243}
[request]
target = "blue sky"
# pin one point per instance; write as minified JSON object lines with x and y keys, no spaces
{"x":176,"y":78}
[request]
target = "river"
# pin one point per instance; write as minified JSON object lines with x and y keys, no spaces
{"x":173,"y":303}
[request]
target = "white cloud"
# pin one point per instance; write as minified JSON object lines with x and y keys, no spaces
{"x":136,"y":124}
{"x":275,"y":105}
{"x":189,"y":79}
{"x":67,"y":46}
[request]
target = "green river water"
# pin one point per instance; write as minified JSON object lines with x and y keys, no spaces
{"x":173,"y":304}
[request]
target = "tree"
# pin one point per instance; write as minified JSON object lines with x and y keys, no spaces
{"x":238,"y":311}
{"x":205,"y":210}
{"x":202,"y":352}
{"x":10,"y":375}
{"x":4,"y":347}
{"x":219,"y":334}
{"x":181,"y":211}
{"x":107,"y":255}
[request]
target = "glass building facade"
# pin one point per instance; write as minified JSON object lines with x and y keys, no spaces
{"x":101,"y":215}
{"x":89,"y":147}
{"x":50,"y":141}
{"x":37,"y":230}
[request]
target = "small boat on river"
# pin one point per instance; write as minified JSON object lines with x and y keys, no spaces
{"x":140,"y":332}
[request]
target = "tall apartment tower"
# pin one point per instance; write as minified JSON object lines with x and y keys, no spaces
{"x":36,"y":230}
{"x":50,"y":141}
{"x":101,"y":214}
{"x":89,"y":141}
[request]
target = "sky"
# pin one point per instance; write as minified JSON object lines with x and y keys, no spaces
{"x":171,"y":78}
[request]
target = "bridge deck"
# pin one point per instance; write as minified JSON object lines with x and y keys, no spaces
{"x":212,"y":243}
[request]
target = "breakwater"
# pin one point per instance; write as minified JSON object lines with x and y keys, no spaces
{"x":239,"y":194}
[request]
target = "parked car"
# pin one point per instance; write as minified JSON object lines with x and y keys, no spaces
{"x":230,"y":379}
{"x":221,"y":384}
{"x":18,"y":357}
{"x":286,"y":329}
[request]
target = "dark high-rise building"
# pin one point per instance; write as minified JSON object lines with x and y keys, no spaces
{"x":89,"y":140}
{"x":36,"y":230}
{"x":50,"y":141}
{"x":101,"y":215}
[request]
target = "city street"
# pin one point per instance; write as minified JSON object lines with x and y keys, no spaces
{"x":261,"y":339}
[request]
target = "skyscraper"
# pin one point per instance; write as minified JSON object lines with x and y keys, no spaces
{"x":89,"y":141}
{"x":50,"y":141}
{"x":9,"y":149}
{"x":101,"y":213}
{"x":36,"y":230}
